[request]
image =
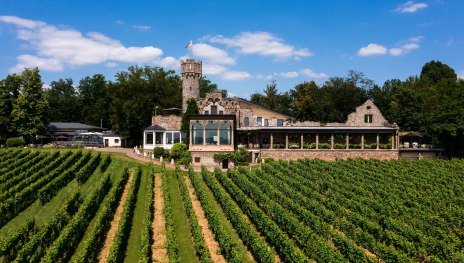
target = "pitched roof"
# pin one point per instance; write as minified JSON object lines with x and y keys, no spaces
{"x":72,"y":126}
{"x":154,"y":127}
{"x":263,"y":107}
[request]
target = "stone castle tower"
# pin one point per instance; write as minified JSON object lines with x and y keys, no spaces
{"x":190,"y":72}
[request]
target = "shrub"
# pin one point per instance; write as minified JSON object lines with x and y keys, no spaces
{"x":159,"y":151}
{"x":177,"y":150}
{"x":241,"y":156}
{"x":185,"y":159}
{"x":15,"y":142}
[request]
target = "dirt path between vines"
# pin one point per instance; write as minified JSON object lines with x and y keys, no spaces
{"x":211,"y":243}
{"x":159,"y":251}
{"x":104,"y":253}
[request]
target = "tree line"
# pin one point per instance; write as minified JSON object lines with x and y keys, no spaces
{"x":432,"y":102}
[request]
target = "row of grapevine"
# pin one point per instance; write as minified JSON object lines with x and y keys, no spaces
{"x":33,"y":250}
{"x":34,"y":175}
{"x":122,"y":235}
{"x":49,"y":191}
{"x":10,"y":245}
{"x":244,"y":228}
{"x":14,"y":161}
{"x":286,"y":247}
{"x":86,"y":171}
{"x":13,"y":205}
{"x":195,"y":228}
{"x":26,"y":170}
{"x":7,"y":155}
{"x":173,"y":254}
{"x":64,"y":246}
{"x":145,"y":238}
{"x":92,"y":244}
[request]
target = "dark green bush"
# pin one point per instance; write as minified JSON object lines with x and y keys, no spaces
{"x":158,"y":152}
{"x":15,"y":142}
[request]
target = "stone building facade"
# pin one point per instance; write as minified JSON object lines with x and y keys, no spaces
{"x":191,"y":73}
{"x":225,"y":124}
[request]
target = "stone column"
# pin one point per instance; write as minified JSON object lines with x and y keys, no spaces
{"x":301,"y":142}
{"x":362,"y":141}
{"x":218,"y":134}
{"x":272,"y":141}
{"x":378,"y":140}
{"x":286,"y":141}
{"x":393,"y":142}
{"x":332,"y":141}
{"x":347,"y":141}
{"x":317,"y":141}
{"x":204,"y":135}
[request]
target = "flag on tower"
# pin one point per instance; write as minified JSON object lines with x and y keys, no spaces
{"x":189,"y":44}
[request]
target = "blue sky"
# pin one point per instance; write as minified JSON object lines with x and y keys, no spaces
{"x":243,"y":44}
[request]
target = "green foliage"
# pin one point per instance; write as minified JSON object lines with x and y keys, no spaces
{"x":15,"y":142}
{"x":86,"y":171}
{"x":63,"y":101}
{"x":241,"y":155}
{"x":172,"y":249}
{"x":11,"y":244}
{"x":219,"y":157}
{"x":122,"y":235}
{"x":9,"y":92}
{"x":192,"y":108}
{"x":29,"y":114}
{"x":180,"y":154}
{"x":145,"y":251}
{"x":106,"y":162}
{"x":92,"y":245}
{"x":159,"y":151}
{"x":198,"y":240}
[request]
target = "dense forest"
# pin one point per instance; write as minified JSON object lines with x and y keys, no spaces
{"x":432,"y":102}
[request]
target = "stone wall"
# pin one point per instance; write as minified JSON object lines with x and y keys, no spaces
{"x":329,"y":155}
{"x":205,"y":158}
{"x":357,"y":118}
{"x":169,"y":122}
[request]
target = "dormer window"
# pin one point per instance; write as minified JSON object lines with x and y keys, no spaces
{"x":368,"y":118}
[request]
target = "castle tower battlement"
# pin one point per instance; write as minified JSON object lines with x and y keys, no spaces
{"x":191,"y":73}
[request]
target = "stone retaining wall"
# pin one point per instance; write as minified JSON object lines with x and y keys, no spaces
{"x":329,"y":155}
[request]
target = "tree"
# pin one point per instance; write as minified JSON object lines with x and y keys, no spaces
{"x":63,"y":101}
{"x":29,"y":115}
{"x":207,"y":87}
{"x":304,"y":97}
{"x":9,"y":92}
{"x":271,"y":96}
{"x":94,"y":101}
{"x":192,"y":108}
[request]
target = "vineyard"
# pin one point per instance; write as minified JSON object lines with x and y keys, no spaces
{"x":86,"y":206}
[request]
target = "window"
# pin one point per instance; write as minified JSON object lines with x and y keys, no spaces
{"x":168,"y":137}
{"x":176,"y":137}
{"x":266,"y":122}
{"x":221,"y":112}
{"x":197,"y":159}
{"x":260,"y":121}
{"x":149,"y":138}
{"x":197,"y":133}
{"x":211,"y":133}
{"x":206,"y":112}
{"x":368,"y":107}
{"x":213,"y":109}
{"x":183,"y":136}
{"x":117,"y":140}
{"x":224,"y":134}
{"x":246,"y":121}
{"x":280,"y":122}
{"x":159,"y":137}
{"x":368,"y":118}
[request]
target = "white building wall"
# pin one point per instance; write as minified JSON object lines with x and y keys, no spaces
{"x":113,"y":141}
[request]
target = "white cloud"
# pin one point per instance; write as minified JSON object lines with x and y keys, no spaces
{"x":235,"y":75}
{"x":260,"y":43}
{"x":290,"y":74}
{"x":213,"y":69}
{"x":141,"y":28}
{"x":111,"y":64}
{"x":410,"y":7}
{"x":46,"y":87}
{"x":168,"y":62}
{"x":269,"y":77}
{"x":56,"y":48}
{"x":211,"y":54}
{"x":461,"y":74}
{"x":371,"y":50}
{"x":404,"y":49}
{"x":416,"y":39}
{"x":312,"y":74}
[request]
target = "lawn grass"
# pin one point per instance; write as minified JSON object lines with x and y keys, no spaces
{"x":242,"y":249}
{"x":133,"y":244}
{"x":184,"y":238}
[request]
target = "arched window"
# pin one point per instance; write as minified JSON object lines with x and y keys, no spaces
{"x":197,"y":133}
{"x":224,"y":134}
{"x":211,"y":133}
